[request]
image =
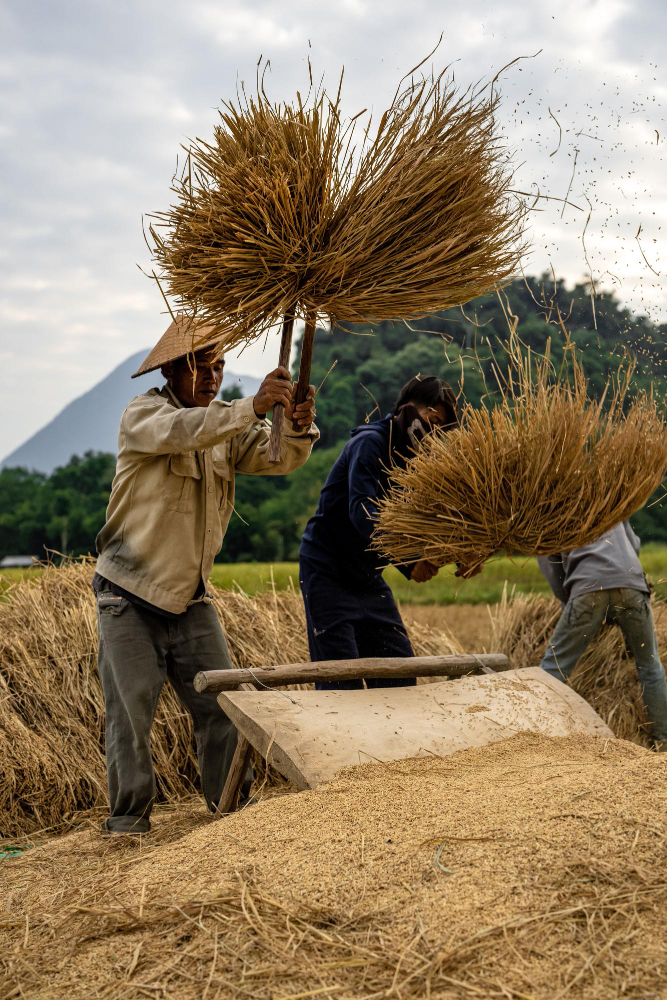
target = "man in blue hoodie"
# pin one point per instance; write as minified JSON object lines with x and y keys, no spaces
{"x":350,"y":610}
{"x":605,"y":581}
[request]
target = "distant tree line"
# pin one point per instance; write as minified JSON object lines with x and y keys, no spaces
{"x":359,"y":372}
{"x":62,"y":512}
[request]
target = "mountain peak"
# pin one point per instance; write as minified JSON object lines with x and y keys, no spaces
{"x":90,"y":422}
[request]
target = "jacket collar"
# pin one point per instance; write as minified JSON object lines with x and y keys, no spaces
{"x":171,"y":396}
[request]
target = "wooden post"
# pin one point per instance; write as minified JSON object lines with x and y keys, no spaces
{"x":340,"y":670}
{"x":278,"y":410}
{"x":305,"y":363}
{"x":237,"y":770}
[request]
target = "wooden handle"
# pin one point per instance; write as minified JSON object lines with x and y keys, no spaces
{"x":279,"y":410}
{"x":340,"y":670}
{"x":237,"y":770}
{"x":304,"y":365}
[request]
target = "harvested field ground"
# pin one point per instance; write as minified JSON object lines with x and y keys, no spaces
{"x":530,"y":869}
{"x":470,"y":624}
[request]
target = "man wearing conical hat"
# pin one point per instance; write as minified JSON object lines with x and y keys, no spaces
{"x":179,"y":449}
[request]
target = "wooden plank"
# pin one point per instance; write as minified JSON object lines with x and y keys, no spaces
{"x":340,"y":670}
{"x":312,"y":734}
{"x":260,"y":734}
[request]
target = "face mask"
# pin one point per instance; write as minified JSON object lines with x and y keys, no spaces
{"x":411,"y":426}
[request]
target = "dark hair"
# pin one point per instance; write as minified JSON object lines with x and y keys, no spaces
{"x":429,"y":390}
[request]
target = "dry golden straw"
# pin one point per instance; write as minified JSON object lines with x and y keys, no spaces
{"x":51,"y":706}
{"x":545,"y":470}
{"x":282,"y":215}
{"x":52,"y":709}
{"x":553,"y":856}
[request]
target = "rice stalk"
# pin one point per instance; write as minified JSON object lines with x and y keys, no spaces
{"x":52,"y":771}
{"x":283,"y":949}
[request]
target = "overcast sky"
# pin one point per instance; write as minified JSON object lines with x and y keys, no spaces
{"x":96,"y":97}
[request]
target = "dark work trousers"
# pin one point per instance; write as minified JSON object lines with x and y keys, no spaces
{"x":348,"y":621}
{"x":138,"y":651}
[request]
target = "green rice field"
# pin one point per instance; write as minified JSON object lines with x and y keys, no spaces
{"x":486,"y":588}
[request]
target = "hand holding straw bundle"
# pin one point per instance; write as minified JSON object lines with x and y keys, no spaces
{"x":281,"y":217}
{"x":545,"y":470}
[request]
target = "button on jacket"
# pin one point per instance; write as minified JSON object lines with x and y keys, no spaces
{"x":173,"y":492}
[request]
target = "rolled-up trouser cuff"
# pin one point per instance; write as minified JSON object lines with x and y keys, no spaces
{"x":126,"y":824}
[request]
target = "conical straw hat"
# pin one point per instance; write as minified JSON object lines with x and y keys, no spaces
{"x":184,"y":335}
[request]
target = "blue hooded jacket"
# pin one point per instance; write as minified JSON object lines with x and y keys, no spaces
{"x":338,"y":535}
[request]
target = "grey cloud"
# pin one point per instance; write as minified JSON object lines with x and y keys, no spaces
{"x":97,"y":97}
{"x":640,"y":33}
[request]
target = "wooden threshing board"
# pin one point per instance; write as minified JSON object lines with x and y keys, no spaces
{"x":310,"y":735}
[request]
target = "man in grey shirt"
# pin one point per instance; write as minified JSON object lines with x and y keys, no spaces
{"x":605,"y":581}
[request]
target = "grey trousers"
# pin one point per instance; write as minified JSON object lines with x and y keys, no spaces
{"x":138,"y":650}
{"x":629,"y":609}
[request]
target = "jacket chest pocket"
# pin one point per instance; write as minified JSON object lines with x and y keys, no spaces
{"x":179,"y":493}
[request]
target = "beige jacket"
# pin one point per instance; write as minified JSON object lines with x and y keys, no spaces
{"x":173,"y":492}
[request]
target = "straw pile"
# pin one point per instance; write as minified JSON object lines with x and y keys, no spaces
{"x":282,"y":216}
{"x":545,"y":470}
{"x":532,"y":869}
{"x":605,"y":675}
{"x":52,"y":710}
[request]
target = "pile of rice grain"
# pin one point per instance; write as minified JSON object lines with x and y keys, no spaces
{"x":533,"y":868}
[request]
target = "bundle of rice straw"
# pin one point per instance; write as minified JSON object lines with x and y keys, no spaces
{"x":545,"y":470}
{"x":52,"y":708}
{"x":605,"y":675}
{"x":281,"y":216}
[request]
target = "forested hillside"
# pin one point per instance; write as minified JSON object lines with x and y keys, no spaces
{"x":360,"y":372}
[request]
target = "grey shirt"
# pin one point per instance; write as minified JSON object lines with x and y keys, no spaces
{"x":609,"y":563}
